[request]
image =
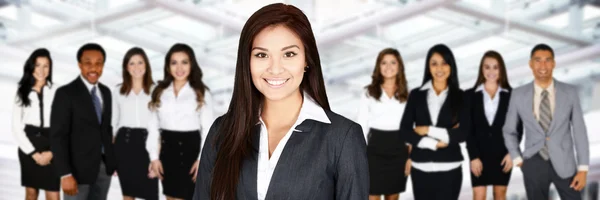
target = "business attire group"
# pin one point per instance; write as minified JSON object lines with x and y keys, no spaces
{"x":93,"y":132}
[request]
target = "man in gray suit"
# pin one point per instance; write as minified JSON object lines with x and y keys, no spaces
{"x":556,"y":142}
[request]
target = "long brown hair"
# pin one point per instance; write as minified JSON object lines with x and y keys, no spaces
{"x":194,"y":79}
{"x":127,"y":84}
{"x":234,"y":136}
{"x":503,"y":79}
{"x":374,"y":89}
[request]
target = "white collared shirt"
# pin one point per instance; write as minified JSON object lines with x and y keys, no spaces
{"x":89,"y":86}
{"x":490,"y":105}
{"x":434,"y":104}
{"x":132,"y":111}
{"x":180,"y":113}
{"x":30,"y":115}
{"x":383,"y":114}
{"x":266,"y":166}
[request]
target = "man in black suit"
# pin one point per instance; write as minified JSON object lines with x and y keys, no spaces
{"x":81,"y":132}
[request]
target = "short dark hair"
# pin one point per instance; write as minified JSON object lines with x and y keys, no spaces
{"x":542,"y":47}
{"x":93,"y":47}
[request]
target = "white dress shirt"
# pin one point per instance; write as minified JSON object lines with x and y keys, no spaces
{"x":434,"y":104}
{"x":537,"y":100}
{"x":180,"y":113}
{"x":132,"y":111}
{"x":383,"y":114}
{"x":266,"y":166}
{"x":490,"y":105}
{"x":30,"y":115}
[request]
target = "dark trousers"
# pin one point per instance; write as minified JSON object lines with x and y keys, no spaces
{"x":538,"y":174}
{"x":436,"y":185}
{"x":96,"y":191}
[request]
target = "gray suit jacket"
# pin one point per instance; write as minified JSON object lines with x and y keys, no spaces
{"x":567,"y":133}
{"x":319,"y":162}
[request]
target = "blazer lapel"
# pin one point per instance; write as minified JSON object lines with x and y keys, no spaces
{"x":86,"y":99}
{"x":248,"y":178}
{"x":284,"y":174}
{"x":528,"y":108}
{"x":106,"y":101}
{"x":425,"y":108}
{"x":502,"y":107}
{"x":445,"y":113}
{"x":480,"y":106}
{"x":560,"y":108}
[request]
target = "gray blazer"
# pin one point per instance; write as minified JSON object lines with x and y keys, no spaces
{"x":567,"y":132}
{"x":319,"y":162}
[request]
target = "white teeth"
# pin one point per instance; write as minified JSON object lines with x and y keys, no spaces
{"x":276,"y":82}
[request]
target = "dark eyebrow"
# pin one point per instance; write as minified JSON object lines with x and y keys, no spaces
{"x":289,"y":47}
{"x":260,"y":48}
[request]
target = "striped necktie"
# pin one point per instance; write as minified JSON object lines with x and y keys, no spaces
{"x":545,"y":118}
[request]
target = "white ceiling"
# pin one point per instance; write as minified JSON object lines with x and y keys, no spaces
{"x":349,"y":33}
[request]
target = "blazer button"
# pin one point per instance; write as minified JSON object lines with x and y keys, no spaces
{"x":181,"y":154}
{"x":179,"y":143}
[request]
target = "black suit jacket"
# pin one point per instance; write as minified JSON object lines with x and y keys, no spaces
{"x":319,"y":162}
{"x":76,"y":137}
{"x":416,"y":113}
{"x":485,"y":140}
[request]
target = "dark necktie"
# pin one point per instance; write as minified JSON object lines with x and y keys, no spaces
{"x":97,"y":106}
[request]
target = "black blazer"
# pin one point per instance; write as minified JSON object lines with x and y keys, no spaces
{"x":483,"y":139}
{"x":76,"y":138}
{"x":319,"y":162}
{"x":416,"y":113}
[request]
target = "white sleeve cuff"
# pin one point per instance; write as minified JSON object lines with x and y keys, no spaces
{"x":583,"y":168}
{"x":439,"y":133}
{"x":65,"y":176}
{"x":428,"y":143}
{"x":517,"y":160}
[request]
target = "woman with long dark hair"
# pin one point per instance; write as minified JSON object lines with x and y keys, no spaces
{"x":379,"y":115}
{"x":30,"y":126}
{"x":182,"y":110}
{"x":490,"y":162}
{"x":432,"y":124}
{"x":134,"y":147}
{"x":279,"y":139}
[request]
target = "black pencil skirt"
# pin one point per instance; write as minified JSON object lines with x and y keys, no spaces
{"x":133,"y":162}
{"x":178,"y":152}
{"x":32,"y":174}
{"x":387,"y":155}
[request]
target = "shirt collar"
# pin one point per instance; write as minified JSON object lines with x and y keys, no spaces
{"x":87,"y":84}
{"x":538,"y":89}
{"x":429,"y":86}
{"x":309,"y":110}
{"x":481,"y":87}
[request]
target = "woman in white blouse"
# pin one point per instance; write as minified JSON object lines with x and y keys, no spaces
{"x":379,"y":115}
{"x":182,"y":114}
{"x":134,"y":147}
{"x":433,"y":124}
{"x":491,"y":164}
{"x":30,"y":126}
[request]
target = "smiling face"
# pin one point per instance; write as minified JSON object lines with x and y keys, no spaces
{"x":42,"y":69}
{"x":180,"y":66}
{"x":91,"y":65}
{"x":136,"y":67}
{"x":440,"y":70}
{"x":491,"y":69}
{"x":277,"y":63}
{"x":542,"y":64}
{"x":389,"y":66}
